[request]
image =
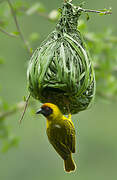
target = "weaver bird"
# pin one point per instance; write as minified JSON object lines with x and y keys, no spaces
{"x":61,"y":133}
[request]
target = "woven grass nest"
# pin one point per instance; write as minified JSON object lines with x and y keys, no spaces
{"x":60,"y":70}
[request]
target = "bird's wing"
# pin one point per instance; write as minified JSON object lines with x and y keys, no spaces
{"x":62,"y":137}
{"x":56,"y":135}
{"x":70,"y":139}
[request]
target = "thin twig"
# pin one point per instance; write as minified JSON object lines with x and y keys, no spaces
{"x":25,"y":107}
{"x":27,"y":47}
{"x":7,"y":33}
{"x":18,"y":27}
{"x":96,"y":11}
{"x":19,"y":106}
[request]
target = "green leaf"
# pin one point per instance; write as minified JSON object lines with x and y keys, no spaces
{"x":34,"y":37}
{"x":101,"y":13}
{"x":81,"y":25}
{"x":1,"y":60}
{"x":15,"y":33}
{"x":24,"y":98}
{"x":20,"y":7}
{"x":87,"y":16}
{"x":5,"y":105}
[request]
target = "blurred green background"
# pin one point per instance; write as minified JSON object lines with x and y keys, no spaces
{"x":35,"y":158}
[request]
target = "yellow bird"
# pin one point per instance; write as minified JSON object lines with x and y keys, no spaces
{"x":61,"y":133}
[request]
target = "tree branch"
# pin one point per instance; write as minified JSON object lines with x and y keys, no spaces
{"x":96,"y":11}
{"x":18,"y":27}
{"x":7,"y":33}
{"x":19,"y":106}
{"x":25,"y":107}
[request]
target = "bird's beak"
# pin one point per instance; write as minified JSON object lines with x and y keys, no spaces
{"x":39,"y":111}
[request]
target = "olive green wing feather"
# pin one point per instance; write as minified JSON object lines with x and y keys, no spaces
{"x":70,"y":135}
{"x":56,"y":138}
{"x":62,"y":137}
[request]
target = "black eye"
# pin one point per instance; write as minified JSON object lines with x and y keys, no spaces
{"x":46,"y":111}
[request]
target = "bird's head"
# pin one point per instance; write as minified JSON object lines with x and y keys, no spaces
{"x":50,"y":111}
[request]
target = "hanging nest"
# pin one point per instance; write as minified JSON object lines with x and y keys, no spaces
{"x":60,"y":70}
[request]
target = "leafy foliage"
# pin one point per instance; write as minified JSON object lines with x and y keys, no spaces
{"x":102,"y":47}
{"x":7,"y":139}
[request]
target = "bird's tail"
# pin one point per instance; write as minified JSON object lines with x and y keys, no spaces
{"x":69,"y":164}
